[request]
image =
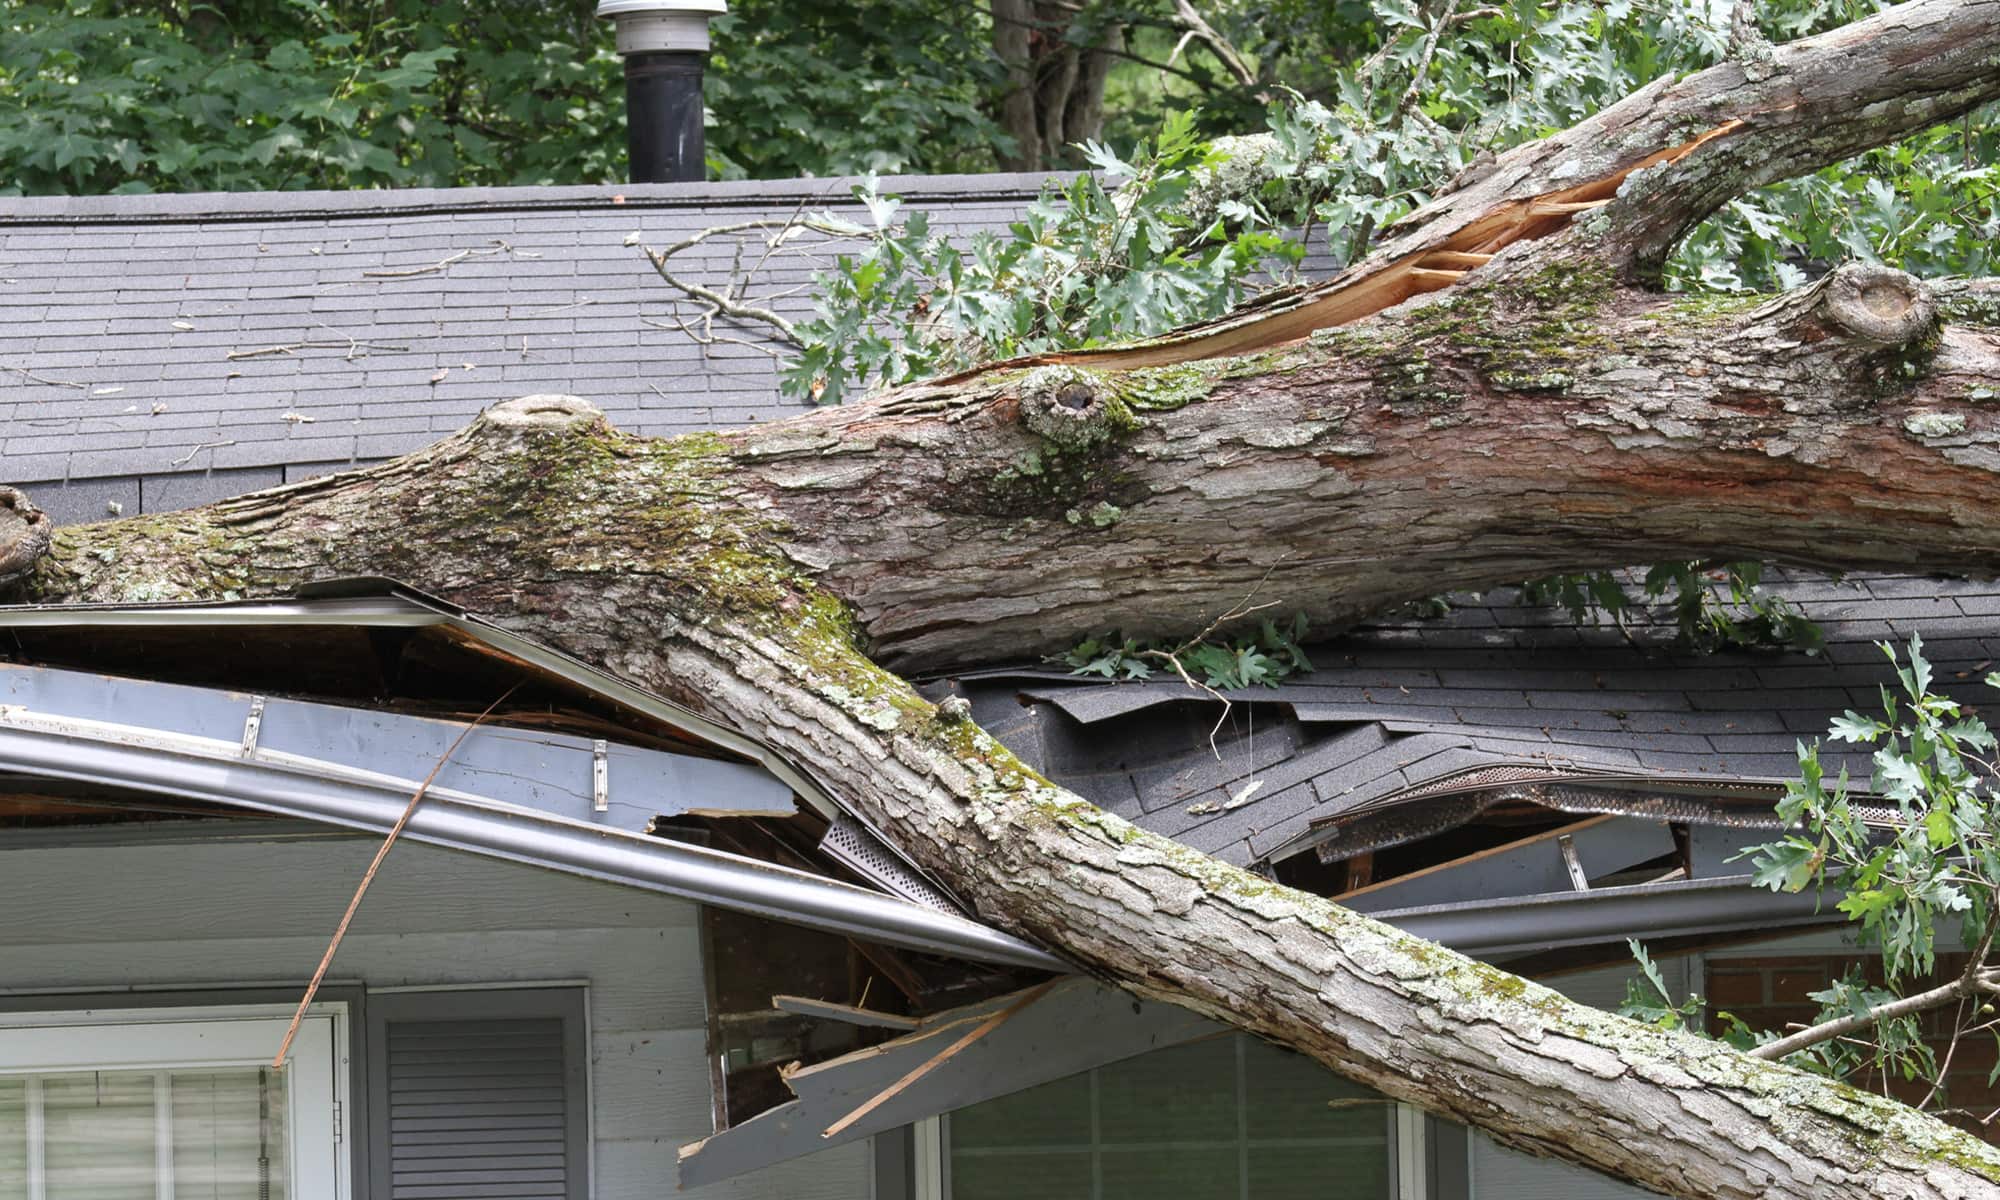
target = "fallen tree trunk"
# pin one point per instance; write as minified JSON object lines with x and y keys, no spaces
{"x":1493,"y":395}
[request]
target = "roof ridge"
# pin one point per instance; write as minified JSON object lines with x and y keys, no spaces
{"x":168,"y":208}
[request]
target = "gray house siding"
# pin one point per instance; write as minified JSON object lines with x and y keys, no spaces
{"x":109,"y":917}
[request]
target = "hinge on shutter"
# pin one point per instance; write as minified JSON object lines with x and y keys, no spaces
{"x":336,"y":1122}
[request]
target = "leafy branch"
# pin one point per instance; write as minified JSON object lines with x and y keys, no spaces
{"x":1898,"y":878}
{"x":1716,"y":607}
{"x":1261,"y":657}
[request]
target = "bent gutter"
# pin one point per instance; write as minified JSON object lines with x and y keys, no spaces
{"x":375,"y":602}
{"x":390,"y":605}
{"x":1726,"y":904}
{"x":330,"y":793}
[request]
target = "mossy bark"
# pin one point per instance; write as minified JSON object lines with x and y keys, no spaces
{"x":1544,"y":414}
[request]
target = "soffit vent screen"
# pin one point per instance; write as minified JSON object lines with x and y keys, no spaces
{"x":849,"y":843}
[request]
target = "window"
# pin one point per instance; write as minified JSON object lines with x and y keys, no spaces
{"x":171,"y":1104}
{"x":1224,"y":1118}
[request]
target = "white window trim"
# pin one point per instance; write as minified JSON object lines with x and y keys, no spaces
{"x":160,"y":1039}
{"x":1411,"y":1155}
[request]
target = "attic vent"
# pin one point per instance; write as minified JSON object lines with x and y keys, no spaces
{"x":849,"y":843}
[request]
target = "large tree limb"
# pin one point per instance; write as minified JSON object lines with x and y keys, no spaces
{"x":1465,"y":419}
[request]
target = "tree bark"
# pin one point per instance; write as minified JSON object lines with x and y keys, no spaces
{"x":1493,"y":395}
{"x":1053,"y":95}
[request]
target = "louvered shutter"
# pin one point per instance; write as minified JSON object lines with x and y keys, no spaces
{"x":477,"y":1095}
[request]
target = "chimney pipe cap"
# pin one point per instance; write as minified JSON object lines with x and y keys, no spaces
{"x":652,"y":26}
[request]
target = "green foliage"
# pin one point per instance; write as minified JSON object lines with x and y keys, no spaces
{"x":1261,"y":657}
{"x":1409,"y":103}
{"x":1647,"y":999}
{"x":1895,"y":1046}
{"x":1940,"y":857}
{"x":1089,"y":263}
{"x":1896,"y":879}
{"x":1929,"y":205}
{"x":177,"y":96}
{"x":1716,"y":608}
{"x":851,"y":89}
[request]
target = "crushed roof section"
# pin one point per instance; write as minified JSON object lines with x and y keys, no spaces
{"x":158,"y":352}
{"x":1396,"y":706}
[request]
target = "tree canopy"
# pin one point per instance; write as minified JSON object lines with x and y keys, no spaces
{"x":1388,"y":98}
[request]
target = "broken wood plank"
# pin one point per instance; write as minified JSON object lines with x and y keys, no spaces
{"x":828,"y":1010}
{"x":928,"y":1065}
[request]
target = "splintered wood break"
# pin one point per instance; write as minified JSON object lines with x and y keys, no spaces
{"x":1345,"y":301}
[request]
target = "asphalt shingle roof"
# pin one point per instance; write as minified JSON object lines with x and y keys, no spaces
{"x":1402,"y":704}
{"x":159,"y":352}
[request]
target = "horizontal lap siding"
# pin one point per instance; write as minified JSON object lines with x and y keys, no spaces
{"x":108,"y":918}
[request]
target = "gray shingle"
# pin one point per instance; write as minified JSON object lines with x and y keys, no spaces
{"x":298,"y":271}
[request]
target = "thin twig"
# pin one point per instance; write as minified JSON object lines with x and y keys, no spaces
{"x":708,"y":336}
{"x":1423,"y":66}
{"x":1936,"y":997}
{"x":187,"y":458}
{"x":326,"y":960}
{"x":723,"y":304}
{"x":586,"y":302}
{"x":498,"y":247}
{"x":1241,"y":608}
{"x":355,"y":347}
{"x":26,"y":374}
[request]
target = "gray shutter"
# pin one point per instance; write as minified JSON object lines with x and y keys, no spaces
{"x":477,"y":1095}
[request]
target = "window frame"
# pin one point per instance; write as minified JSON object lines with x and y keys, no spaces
{"x":140,"y":1038}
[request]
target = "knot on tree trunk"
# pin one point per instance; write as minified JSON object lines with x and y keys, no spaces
{"x":24,"y":535}
{"x":547,"y":413}
{"x":1879,"y":305}
{"x":1072,"y":408}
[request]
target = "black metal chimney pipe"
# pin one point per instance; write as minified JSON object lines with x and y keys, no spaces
{"x":665,"y":47}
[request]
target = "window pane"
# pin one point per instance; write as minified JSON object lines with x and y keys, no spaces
{"x":102,"y":1134}
{"x":1224,"y":1118}
{"x":1052,"y":1115}
{"x":98,"y":1136}
{"x":229,"y":1134}
{"x":13,"y":1139}
{"x":1310,"y":1173}
{"x":1181,"y":1094}
{"x":1290,"y":1096}
{"x":1182,"y":1172}
{"x":1033,"y":1143}
{"x":1057,"y":1176}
